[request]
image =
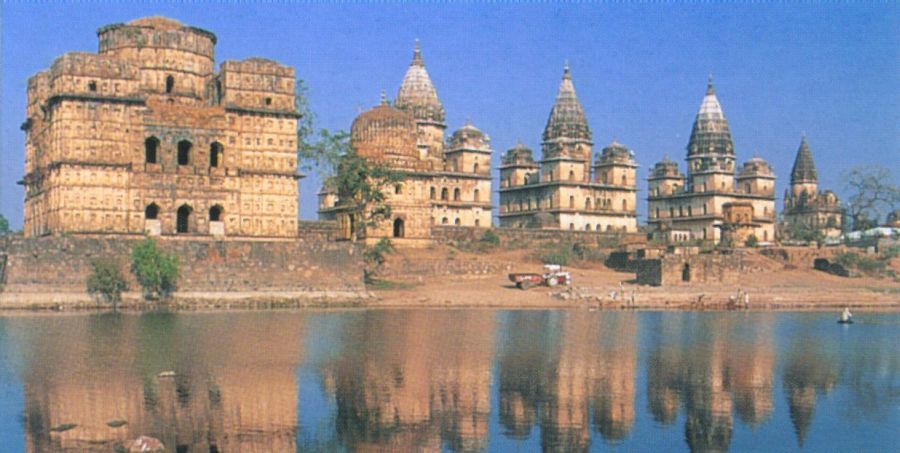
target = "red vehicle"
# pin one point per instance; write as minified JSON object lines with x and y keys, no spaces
{"x":552,"y":276}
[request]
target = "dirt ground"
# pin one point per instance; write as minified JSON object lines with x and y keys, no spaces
{"x":593,"y":285}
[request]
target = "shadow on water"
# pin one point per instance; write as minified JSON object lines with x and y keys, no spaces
{"x":458,"y":380}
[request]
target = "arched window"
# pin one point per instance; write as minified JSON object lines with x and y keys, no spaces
{"x":477,"y":222}
{"x":671,"y":212}
{"x":587,"y":227}
{"x":624,"y":180}
{"x":597,"y":228}
{"x":184,"y":152}
{"x":398,"y":228}
{"x":571,"y":201}
{"x":268,"y":101}
{"x":571,"y":226}
{"x":657,"y":213}
{"x":151,"y":212}
{"x":608,"y":203}
{"x":398,"y":189}
{"x":170,"y":84}
{"x":456,"y":194}
{"x":432,"y":193}
{"x":624,"y":205}
{"x":444,"y":221}
{"x":571,"y":175}
{"x":216,"y":151}
{"x":445,"y":194}
{"x":215,"y":214}
{"x":475,"y":168}
{"x":457,"y":222}
{"x":704,"y":209}
{"x":690,"y":211}
{"x":477,"y":195}
{"x":151,"y":150}
{"x":92,"y":85}
{"x":183,"y":220}
{"x":587,"y":203}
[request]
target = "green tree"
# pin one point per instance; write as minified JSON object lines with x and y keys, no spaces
{"x":872,"y":192}
{"x":155,"y":270}
{"x":806,"y":233}
{"x":106,"y":281}
{"x":4,"y":225}
{"x":751,"y":241}
{"x":360,"y":188}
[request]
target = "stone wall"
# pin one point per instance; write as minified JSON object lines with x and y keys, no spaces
{"x":52,"y":270}
{"x":449,"y":235}
{"x":688,"y":269}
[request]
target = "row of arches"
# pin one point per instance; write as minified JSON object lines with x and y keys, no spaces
{"x":183,"y":215}
{"x":599,"y":227}
{"x":152,"y":151}
{"x":457,"y":194}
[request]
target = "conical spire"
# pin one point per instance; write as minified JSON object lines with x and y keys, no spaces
{"x":710,"y":134}
{"x":567,"y":119}
{"x":417,"y":95}
{"x":804,"y":168}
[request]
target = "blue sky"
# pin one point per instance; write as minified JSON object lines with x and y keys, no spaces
{"x":831,"y":70}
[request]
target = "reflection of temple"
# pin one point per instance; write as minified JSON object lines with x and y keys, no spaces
{"x":585,"y":374}
{"x":807,"y":371}
{"x":714,"y":368}
{"x":223,"y":396}
{"x":415,"y":380}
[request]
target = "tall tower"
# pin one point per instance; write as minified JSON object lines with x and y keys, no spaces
{"x":710,"y":149}
{"x":418,"y":97}
{"x":803,"y":174}
{"x":567,"y":137}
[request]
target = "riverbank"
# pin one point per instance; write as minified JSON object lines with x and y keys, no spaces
{"x":444,"y":277}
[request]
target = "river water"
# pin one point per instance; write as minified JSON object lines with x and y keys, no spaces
{"x":452,"y":380}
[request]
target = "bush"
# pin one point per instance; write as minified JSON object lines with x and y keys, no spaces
{"x":106,"y":280}
{"x":751,"y":241}
{"x":490,"y":238}
{"x":155,"y":270}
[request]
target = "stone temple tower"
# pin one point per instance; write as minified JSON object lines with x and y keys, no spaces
{"x":804,"y":205}
{"x":710,"y":149}
{"x":567,"y":136}
{"x":803,"y":174}
{"x":418,"y":97}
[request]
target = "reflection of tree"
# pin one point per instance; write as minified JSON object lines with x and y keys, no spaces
{"x":807,"y":371}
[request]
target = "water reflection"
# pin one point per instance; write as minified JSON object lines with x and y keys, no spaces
{"x":425,"y":380}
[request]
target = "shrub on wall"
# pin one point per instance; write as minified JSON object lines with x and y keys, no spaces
{"x":106,"y":281}
{"x":751,"y":241}
{"x":155,"y":270}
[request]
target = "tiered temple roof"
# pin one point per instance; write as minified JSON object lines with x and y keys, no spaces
{"x":804,"y":169}
{"x":710,"y":134}
{"x":417,"y":95}
{"x":567,"y":120}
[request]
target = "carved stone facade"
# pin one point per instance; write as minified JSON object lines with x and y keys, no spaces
{"x":563,"y":190}
{"x":145,"y":136}
{"x":697,"y":207}
{"x":444,"y":182}
{"x":804,"y":205}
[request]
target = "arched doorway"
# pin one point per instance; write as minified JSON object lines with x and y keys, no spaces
{"x":398,"y":228}
{"x":183,"y":221}
{"x":184,"y":152}
{"x":151,"y":146}
{"x":686,"y":273}
{"x":170,"y":84}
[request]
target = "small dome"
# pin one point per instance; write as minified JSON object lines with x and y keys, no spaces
{"x":666,"y":168}
{"x":519,"y":155}
{"x":756,"y":167}
{"x":469,"y":137}
{"x":617,"y":152}
{"x":385,"y":133}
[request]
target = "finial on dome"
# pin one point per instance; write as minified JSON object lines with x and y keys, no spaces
{"x":709,"y":85}
{"x":384,"y":99}
{"x":566,"y":73}
{"x":417,"y":54}
{"x":468,"y":120}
